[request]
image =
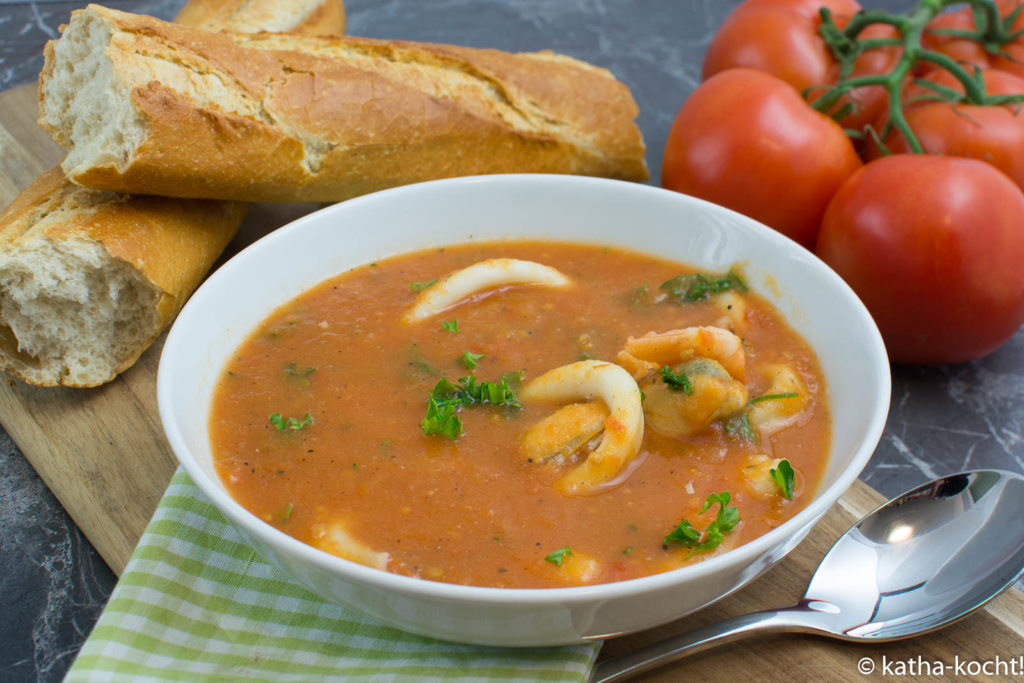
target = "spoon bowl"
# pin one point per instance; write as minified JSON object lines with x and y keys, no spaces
{"x":923,"y":560}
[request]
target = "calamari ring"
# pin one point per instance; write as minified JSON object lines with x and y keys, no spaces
{"x":487,"y":274}
{"x":333,"y":538}
{"x":624,"y":426}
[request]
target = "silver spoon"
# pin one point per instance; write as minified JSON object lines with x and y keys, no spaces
{"x":920,"y":562}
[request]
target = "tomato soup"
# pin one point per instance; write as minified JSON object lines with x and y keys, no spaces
{"x":359,"y":420}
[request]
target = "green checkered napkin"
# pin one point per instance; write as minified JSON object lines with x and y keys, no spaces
{"x":196,"y":603}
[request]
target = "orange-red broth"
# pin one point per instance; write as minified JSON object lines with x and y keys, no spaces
{"x":473,"y":510}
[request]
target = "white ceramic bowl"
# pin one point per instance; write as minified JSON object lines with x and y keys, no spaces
{"x":290,"y":260}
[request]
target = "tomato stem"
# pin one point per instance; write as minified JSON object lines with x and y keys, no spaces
{"x":847,"y":47}
{"x":994,"y":33}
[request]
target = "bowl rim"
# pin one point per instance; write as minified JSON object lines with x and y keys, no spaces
{"x":742,"y":555}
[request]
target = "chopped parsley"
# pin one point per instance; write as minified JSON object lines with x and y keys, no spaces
{"x":447,"y":398}
{"x":450,"y":325}
{"x":774,"y":397}
{"x":558,"y":557}
{"x":283,"y":423}
{"x":469,"y":359}
{"x":638,"y":297}
{"x":684,"y":534}
{"x":698,"y":286}
{"x":286,"y":513}
{"x":294,"y":370}
{"x":676,"y":382}
{"x":300,"y":374}
{"x":725,"y":521}
{"x":419,"y":286}
{"x":785,"y":478}
{"x":627,"y":551}
{"x":738,"y":427}
{"x":441,"y":419}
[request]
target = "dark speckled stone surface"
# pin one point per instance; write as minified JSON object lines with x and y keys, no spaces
{"x":942,"y":419}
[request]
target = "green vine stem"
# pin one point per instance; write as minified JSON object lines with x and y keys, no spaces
{"x":846,"y":46}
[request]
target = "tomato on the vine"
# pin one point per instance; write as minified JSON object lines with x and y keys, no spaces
{"x":782,"y":37}
{"x":777,"y":36}
{"x":993,"y":134}
{"x":934,"y":246}
{"x":747,"y":140}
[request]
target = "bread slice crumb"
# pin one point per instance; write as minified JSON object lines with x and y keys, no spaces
{"x":88,"y":279}
{"x":106,"y":127}
{"x":70,"y":314}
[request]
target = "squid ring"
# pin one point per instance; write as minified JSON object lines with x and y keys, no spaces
{"x":487,"y":274}
{"x":624,"y":426}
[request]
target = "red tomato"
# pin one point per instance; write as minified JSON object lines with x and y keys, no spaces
{"x":781,"y":37}
{"x":777,"y":36}
{"x":992,"y":134}
{"x":747,"y":140}
{"x":934,"y":246}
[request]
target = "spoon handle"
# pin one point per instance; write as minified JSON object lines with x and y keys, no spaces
{"x":799,"y":617}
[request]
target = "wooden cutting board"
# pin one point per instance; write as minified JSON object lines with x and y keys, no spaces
{"x":103,"y":454}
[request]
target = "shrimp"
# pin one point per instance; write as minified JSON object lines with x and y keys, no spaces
{"x":331,"y":537}
{"x":713,"y":363}
{"x":488,"y":274}
{"x":623,"y":428}
{"x":654,"y":350}
{"x":787,"y":398}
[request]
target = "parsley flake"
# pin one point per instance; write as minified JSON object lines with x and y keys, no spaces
{"x":469,"y":359}
{"x":698,"y":286}
{"x":638,"y":297}
{"x":441,"y":419}
{"x":738,"y":427}
{"x":450,"y":325}
{"x":725,"y":521}
{"x":283,"y":423}
{"x":301,"y":375}
{"x":447,"y":398}
{"x":774,"y":397}
{"x":676,"y":382}
{"x":558,"y":557}
{"x":419,"y":286}
{"x":785,"y":478}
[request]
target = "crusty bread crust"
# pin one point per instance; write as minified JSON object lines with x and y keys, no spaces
{"x":312,"y":17}
{"x":88,"y":278}
{"x":295,"y":118}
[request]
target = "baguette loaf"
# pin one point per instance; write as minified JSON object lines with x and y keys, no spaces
{"x":147,"y":106}
{"x":88,"y":278}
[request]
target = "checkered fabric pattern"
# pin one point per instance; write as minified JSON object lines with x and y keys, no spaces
{"x":195,"y":603}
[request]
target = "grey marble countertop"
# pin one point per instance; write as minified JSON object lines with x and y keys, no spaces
{"x":942,"y":419}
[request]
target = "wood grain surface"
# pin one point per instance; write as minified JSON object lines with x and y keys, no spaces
{"x":103,"y":454}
